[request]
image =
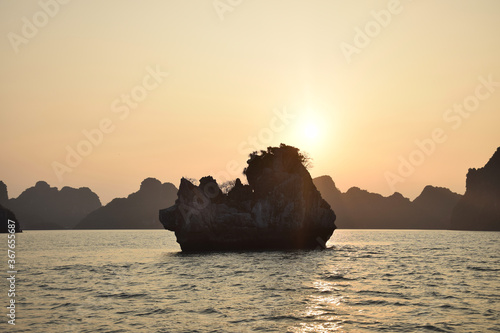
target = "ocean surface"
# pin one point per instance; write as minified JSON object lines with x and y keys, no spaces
{"x":369,"y":281}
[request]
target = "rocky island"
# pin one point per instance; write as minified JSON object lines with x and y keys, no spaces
{"x":6,"y":214}
{"x":6,"y":219}
{"x":280,"y":208}
{"x":479,"y":208}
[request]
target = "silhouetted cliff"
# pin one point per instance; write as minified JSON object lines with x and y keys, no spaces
{"x":329,"y":191}
{"x":360,"y":209}
{"x":4,"y":196}
{"x":44,"y":207}
{"x":5,"y":216}
{"x":479,"y":209}
{"x":279,"y":209}
{"x":137,"y":211}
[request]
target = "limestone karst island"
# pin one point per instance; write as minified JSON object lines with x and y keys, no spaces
{"x":280,"y":208}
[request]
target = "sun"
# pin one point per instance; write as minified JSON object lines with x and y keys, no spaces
{"x":311,"y":131}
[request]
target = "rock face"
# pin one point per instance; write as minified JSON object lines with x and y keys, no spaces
{"x":366,"y":210}
{"x":479,"y":209}
{"x":432,"y":209}
{"x":4,"y":196}
{"x":329,"y":191}
{"x":280,"y":208}
{"x":137,"y":211}
{"x":5,"y":216}
{"x":360,"y":209}
{"x":43,"y":207}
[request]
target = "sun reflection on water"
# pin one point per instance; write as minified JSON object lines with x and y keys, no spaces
{"x":325,"y":311}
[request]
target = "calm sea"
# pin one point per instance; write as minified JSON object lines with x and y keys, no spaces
{"x":370,"y":281}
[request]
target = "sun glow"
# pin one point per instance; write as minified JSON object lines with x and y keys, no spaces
{"x":311,"y":131}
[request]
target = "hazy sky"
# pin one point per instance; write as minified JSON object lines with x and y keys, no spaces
{"x":168,"y":89}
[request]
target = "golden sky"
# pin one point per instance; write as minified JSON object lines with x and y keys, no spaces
{"x":384,"y":95}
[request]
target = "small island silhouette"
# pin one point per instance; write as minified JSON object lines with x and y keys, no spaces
{"x":479,"y":208}
{"x":280,"y":208}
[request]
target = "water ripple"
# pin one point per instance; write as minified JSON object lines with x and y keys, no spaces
{"x":386,"y":281}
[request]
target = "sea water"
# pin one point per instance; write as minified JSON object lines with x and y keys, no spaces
{"x":368,"y":281}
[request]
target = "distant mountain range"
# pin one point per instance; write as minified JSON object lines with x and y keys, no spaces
{"x":360,"y":209}
{"x":138,"y":211}
{"x":44,"y":207}
{"x":435,"y":208}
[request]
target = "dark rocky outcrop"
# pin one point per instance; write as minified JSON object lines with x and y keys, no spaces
{"x":360,"y":209}
{"x":137,"y":211}
{"x":433,"y":207}
{"x":479,"y":209}
{"x":329,"y":191}
{"x":4,"y":196}
{"x":5,"y":216}
{"x":280,"y":208}
{"x":367,"y":210}
{"x":43,"y":207}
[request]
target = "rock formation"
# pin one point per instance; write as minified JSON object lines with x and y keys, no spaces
{"x":137,"y":211}
{"x":44,"y":207}
{"x":479,"y":209}
{"x":329,"y":191}
{"x":432,"y":209}
{"x":280,"y":208}
{"x":360,"y":209}
{"x":367,"y":210}
{"x":5,"y":216}
{"x":4,"y":196}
